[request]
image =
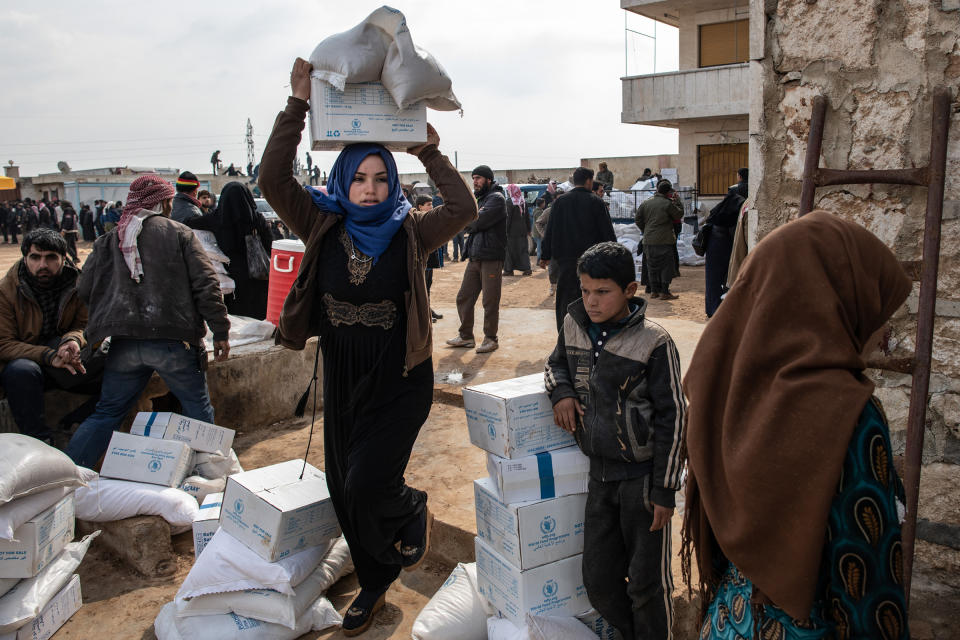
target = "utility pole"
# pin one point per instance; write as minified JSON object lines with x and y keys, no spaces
{"x":251,"y":156}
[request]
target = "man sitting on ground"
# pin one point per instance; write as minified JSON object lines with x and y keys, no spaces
{"x":151,"y":287}
{"x":41,"y":333}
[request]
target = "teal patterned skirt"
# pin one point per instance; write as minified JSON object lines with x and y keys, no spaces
{"x":861,"y":576}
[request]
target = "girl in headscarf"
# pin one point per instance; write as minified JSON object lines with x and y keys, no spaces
{"x":518,"y":229}
{"x":792,"y":497}
{"x":236,"y":217}
{"x":361,"y":287}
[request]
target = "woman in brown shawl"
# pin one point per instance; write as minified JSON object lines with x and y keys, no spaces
{"x":791,"y":495}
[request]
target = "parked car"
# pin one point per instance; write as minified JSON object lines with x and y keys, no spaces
{"x":264,"y":207}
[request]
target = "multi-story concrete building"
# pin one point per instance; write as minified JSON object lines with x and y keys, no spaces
{"x":708,"y":98}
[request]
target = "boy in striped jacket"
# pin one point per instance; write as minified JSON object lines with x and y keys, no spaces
{"x":614,"y":380}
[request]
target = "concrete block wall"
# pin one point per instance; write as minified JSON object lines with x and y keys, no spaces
{"x":876,"y":62}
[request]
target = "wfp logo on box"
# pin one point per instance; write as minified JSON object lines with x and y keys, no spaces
{"x":550,"y":588}
{"x":492,"y":431}
{"x":238,"y":507}
{"x":154,"y":465}
{"x":356,"y":123}
{"x":548,"y":526}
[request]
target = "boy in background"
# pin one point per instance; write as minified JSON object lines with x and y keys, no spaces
{"x":614,"y":380}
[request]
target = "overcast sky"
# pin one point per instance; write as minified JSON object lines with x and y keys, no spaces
{"x":103,"y":83}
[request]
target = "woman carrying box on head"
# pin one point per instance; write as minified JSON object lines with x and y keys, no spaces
{"x":361,"y":288}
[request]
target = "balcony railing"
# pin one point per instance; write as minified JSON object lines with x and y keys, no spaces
{"x":666,"y":98}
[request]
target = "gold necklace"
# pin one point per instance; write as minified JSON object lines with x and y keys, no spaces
{"x":358,"y":264}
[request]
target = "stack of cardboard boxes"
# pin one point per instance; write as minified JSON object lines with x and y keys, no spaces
{"x":36,"y":544}
{"x":530,"y":510}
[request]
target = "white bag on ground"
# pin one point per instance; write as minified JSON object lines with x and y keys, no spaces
{"x":456,"y":611}
{"x":106,"y":500}
{"x":214,"y":465}
{"x":30,"y":466}
{"x":233,"y":627}
{"x":26,"y":600}
{"x":226,"y":564}
{"x":269,"y":605}
{"x":539,"y":628}
{"x":200,"y":487}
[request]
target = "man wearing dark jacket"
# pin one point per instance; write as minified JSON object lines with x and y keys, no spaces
{"x":486,"y":250}
{"x":185,"y":203}
{"x":578,"y":220}
{"x":150,"y":286}
{"x":41,"y":333}
{"x":655,"y":218}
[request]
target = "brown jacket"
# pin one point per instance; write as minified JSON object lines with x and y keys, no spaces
{"x":426,"y":232}
{"x":21,"y":320}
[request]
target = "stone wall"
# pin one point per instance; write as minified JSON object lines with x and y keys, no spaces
{"x":876,"y":62}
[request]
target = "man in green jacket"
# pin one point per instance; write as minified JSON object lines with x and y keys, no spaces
{"x":656,"y":217}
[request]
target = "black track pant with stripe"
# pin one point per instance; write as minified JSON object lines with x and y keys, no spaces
{"x":626,"y":567}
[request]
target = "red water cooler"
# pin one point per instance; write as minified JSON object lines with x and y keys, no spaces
{"x":284,"y":266}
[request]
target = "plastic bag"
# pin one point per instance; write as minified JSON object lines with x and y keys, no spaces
{"x":233,"y":627}
{"x":106,"y":500}
{"x":261,"y":604}
{"x":31,"y":466}
{"x":456,"y":611}
{"x":258,"y":262}
{"x":27,"y":598}
{"x":226,"y":564}
{"x":209,"y":242}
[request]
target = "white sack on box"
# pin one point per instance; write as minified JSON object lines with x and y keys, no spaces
{"x":26,"y":600}
{"x":30,"y":466}
{"x":168,"y":626}
{"x":456,"y":611}
{"x":260,"y":604}
{"x":381,"y":49}
{"x":15,"y":513}
{"x":226,"y":564}
{"x":6,"y":584}
{"x":214,"y":465}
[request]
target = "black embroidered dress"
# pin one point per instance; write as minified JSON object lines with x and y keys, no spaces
{"x":372,"y":410}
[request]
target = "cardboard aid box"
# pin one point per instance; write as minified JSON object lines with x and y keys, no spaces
{"x":554,"y":589}
{"x":363,"y":112}
{"x":199,"y":435}
{"x":513,"y":418}
{"x":53,"y":616}
{"x":548,"y":474}
{"x":275,"y":513}
{"x":143,"y":459}
{"x":529,"y":534}
{"x":38,"y":541}
{"x":207,"y":522}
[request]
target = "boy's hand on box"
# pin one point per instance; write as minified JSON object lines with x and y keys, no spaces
{"x":661,"y":517}
{"x":567,"y":413}
{"x":300,"y":79}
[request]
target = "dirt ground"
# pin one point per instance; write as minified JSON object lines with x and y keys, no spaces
{"x":118,"y":603}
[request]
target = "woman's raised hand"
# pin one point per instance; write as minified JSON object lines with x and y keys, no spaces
{"x":433,"y":138}
{"x":300,"y":79}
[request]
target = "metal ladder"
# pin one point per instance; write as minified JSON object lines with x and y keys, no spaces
{"x":931,"y":176}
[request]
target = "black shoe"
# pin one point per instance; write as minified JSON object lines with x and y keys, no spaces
{"x":414,"y":553}
{"x":359,"y":615}
{"x":436,"y":316}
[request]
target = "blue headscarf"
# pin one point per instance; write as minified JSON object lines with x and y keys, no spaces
{"x":370,"y":228}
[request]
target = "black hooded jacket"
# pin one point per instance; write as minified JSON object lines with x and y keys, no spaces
{"x":488,"y":233}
